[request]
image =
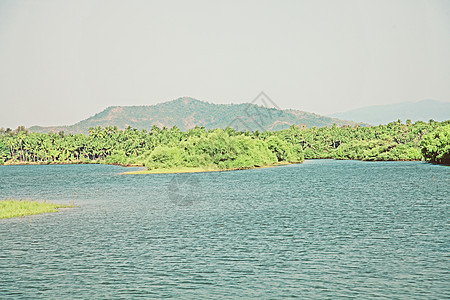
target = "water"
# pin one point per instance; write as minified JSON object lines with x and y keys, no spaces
{"x":321,"y":229}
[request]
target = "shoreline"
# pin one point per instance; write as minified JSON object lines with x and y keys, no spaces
{"x":175,"y":170}
{"x":78,"y":162}
{"x":41,"y":163}
{"x":181,"y":170}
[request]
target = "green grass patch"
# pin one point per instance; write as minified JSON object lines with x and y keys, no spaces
{"x":196,"y":169}
{"x":173,"y":170}
{"x":11,"y":208}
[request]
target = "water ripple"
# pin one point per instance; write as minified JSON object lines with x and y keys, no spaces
{"x":322,"y":229}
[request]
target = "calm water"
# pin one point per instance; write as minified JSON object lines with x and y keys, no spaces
{"x":322,"y":229}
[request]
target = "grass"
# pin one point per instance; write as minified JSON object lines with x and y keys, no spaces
{"x":194,"y":169}
{"x":11,"y":208}
{"x":172,"y":170}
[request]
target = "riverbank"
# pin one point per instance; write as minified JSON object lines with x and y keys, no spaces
{"x":178,"y":169}
{"x":66,"y":162}
{"x":11,"y":208}
{"x":144,"y":170}
{"x":37,"y":163}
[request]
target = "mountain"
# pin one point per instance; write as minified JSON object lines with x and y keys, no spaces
{"x":381,"y":114}
{"x":186,"y":113}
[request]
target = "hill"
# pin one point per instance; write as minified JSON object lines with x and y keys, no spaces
{"x":186,"y":113}
{"x":415,"y":111}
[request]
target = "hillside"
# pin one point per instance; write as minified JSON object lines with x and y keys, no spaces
{"x":186,"y":113}
{"x":381,"y":114}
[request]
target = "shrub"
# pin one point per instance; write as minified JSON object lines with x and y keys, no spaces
{"x":164,"y":157}
{"x":436,"y":145}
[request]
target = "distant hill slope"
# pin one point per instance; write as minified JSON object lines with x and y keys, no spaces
{"x":381,"y":114}
{"x":186,"y":113}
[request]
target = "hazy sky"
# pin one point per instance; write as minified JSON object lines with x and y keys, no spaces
{"x":63,"y":61}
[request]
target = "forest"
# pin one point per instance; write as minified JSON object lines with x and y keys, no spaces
{"x":224,"y":149}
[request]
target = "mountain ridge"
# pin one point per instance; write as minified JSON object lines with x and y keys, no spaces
{"x":422,"y":110}
{"x":186,"y":113}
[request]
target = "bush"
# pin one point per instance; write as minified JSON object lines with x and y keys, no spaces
{"x":297,"y":153}
{"x":436,"y":145}
{"x":405,"y":152}
{"x":280,"y":148}
{"x":357,"y":149}
{"x":164,"y":157}
{"x":116,"y":157}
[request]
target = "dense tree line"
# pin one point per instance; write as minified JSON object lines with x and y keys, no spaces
{"x":227,"y":148}
{"x":157,"y":148}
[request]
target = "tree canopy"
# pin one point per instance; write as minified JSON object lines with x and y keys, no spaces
{"x":162,"y":148}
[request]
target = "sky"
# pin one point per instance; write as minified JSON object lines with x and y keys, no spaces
{"x":63,"y":61}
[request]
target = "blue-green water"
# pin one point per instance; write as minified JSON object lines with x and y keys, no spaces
{"x":321,"y":229}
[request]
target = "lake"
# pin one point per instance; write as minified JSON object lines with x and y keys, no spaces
{"x":321,"y":229}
